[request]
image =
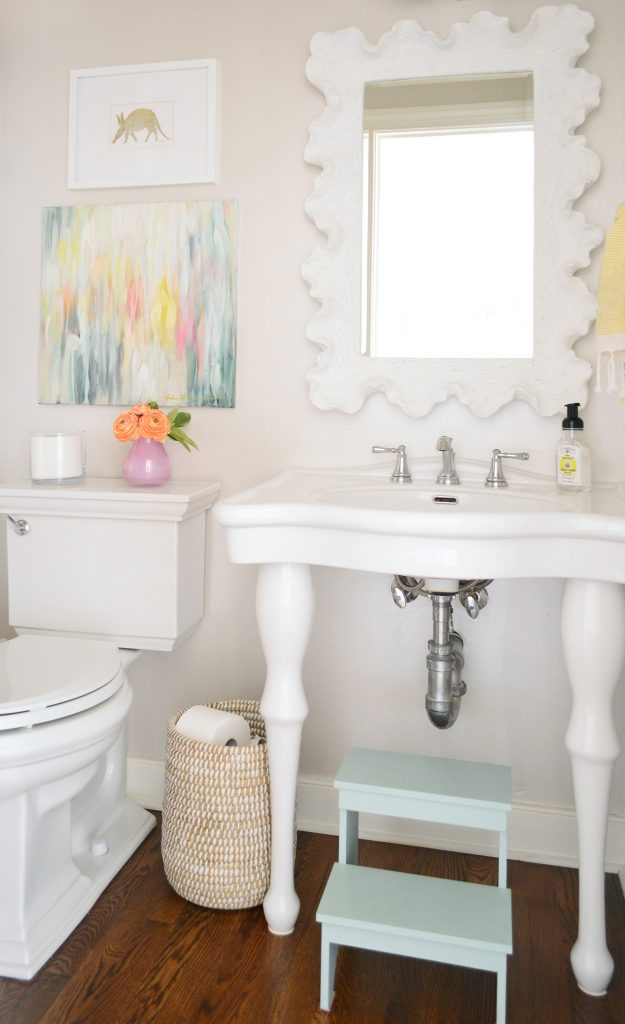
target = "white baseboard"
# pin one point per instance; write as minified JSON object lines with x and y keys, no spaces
{"x":546,"y":835}
{"x":146,"y":782}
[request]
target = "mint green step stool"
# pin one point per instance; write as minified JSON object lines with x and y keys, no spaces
{"x":429,"y":918}
{"x":422,"y":789}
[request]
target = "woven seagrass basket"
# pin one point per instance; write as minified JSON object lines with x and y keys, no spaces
{"x":216,"y":840}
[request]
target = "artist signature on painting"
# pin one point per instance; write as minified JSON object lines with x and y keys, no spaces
{"x":176,"y":398}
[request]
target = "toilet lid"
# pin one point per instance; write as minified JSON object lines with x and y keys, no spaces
{"x":47,"y":677}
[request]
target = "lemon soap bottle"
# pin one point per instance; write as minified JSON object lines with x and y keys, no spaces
{"x":572,"y":455}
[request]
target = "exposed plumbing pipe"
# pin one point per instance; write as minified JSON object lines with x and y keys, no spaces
{"x":445,"y":659}
{"x":445,"y":662}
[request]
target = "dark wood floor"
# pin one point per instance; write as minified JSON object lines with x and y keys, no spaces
{"x":143,"y":954}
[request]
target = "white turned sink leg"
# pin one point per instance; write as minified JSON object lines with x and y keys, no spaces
{"x":593,"y":634}
{"x":284,"y":607}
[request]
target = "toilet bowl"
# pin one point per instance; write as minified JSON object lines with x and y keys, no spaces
{"x":97,"y":572}
{"x":66,"y":823}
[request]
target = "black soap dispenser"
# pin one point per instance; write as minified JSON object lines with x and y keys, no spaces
{"x":572,"y":455}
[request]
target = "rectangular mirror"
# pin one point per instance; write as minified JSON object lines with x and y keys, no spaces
{"x":462,"y":216}
{"x":448,"y":218}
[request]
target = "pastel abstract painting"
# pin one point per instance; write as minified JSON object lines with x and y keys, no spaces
{"x":138,"y":303}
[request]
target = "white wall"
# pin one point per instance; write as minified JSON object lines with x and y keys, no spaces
{"x":365,"y":669}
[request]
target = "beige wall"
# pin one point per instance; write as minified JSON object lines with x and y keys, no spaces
{"x":365,"y":670}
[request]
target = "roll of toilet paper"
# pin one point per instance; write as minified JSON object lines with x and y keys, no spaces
{"x":209,"y":725}
{"x":56,"y":457}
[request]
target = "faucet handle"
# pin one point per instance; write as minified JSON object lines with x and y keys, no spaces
{"x":401,"y":473}
{"x":496,"y":476}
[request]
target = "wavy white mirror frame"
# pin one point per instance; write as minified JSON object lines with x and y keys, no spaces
{"x":340,"y":64}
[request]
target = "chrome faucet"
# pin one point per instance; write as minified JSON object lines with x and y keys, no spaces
{"x":448,"y":473}
{"x":401,"y":473}
{"x":496,"y":476}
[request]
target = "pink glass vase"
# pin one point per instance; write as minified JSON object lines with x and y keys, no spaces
{"x":147,"y":463}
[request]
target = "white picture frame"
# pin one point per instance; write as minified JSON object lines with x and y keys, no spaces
{"x":340,"y":65}
{"x":143,"y":124}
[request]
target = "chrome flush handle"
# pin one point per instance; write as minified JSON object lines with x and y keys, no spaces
{"x":21,"y":526}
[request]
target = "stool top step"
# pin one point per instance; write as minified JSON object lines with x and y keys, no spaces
{"x":436,"y":778}
{"x":436,"y":909}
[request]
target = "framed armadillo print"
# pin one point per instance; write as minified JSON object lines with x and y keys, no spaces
{"x":143,"y":124}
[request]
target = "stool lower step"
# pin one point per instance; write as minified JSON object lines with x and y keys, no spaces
{"x":413,"y":915}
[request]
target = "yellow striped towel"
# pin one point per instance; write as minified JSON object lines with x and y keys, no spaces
{"x":610,"y":329}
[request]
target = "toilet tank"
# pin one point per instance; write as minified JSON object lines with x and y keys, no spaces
{"x":105,"y":560}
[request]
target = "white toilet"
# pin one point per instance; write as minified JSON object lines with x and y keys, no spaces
{"x":96,"y":572}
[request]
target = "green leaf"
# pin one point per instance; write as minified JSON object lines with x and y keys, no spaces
{"x":176,"y":434}
{"x":153,"y":405}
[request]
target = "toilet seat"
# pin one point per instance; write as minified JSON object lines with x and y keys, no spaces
{"x":43,"y":678}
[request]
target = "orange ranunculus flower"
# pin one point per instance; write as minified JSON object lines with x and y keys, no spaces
{"x":126,"y":427}
{"x":140,"y":410}
{"x":154,"y":424}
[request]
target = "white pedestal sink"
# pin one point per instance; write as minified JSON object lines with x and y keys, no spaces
{"x":356,"y":519}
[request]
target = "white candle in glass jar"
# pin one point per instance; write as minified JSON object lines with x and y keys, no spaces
{"x":56,"y":457}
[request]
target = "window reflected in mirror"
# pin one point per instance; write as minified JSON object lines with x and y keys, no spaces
{"x":448,"y":218}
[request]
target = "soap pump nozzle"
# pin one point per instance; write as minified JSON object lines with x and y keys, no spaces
{"x":572,"y":420}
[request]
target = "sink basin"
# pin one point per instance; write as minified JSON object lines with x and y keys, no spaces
{"x":357,"y":519}
{"x":415,"y":497}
